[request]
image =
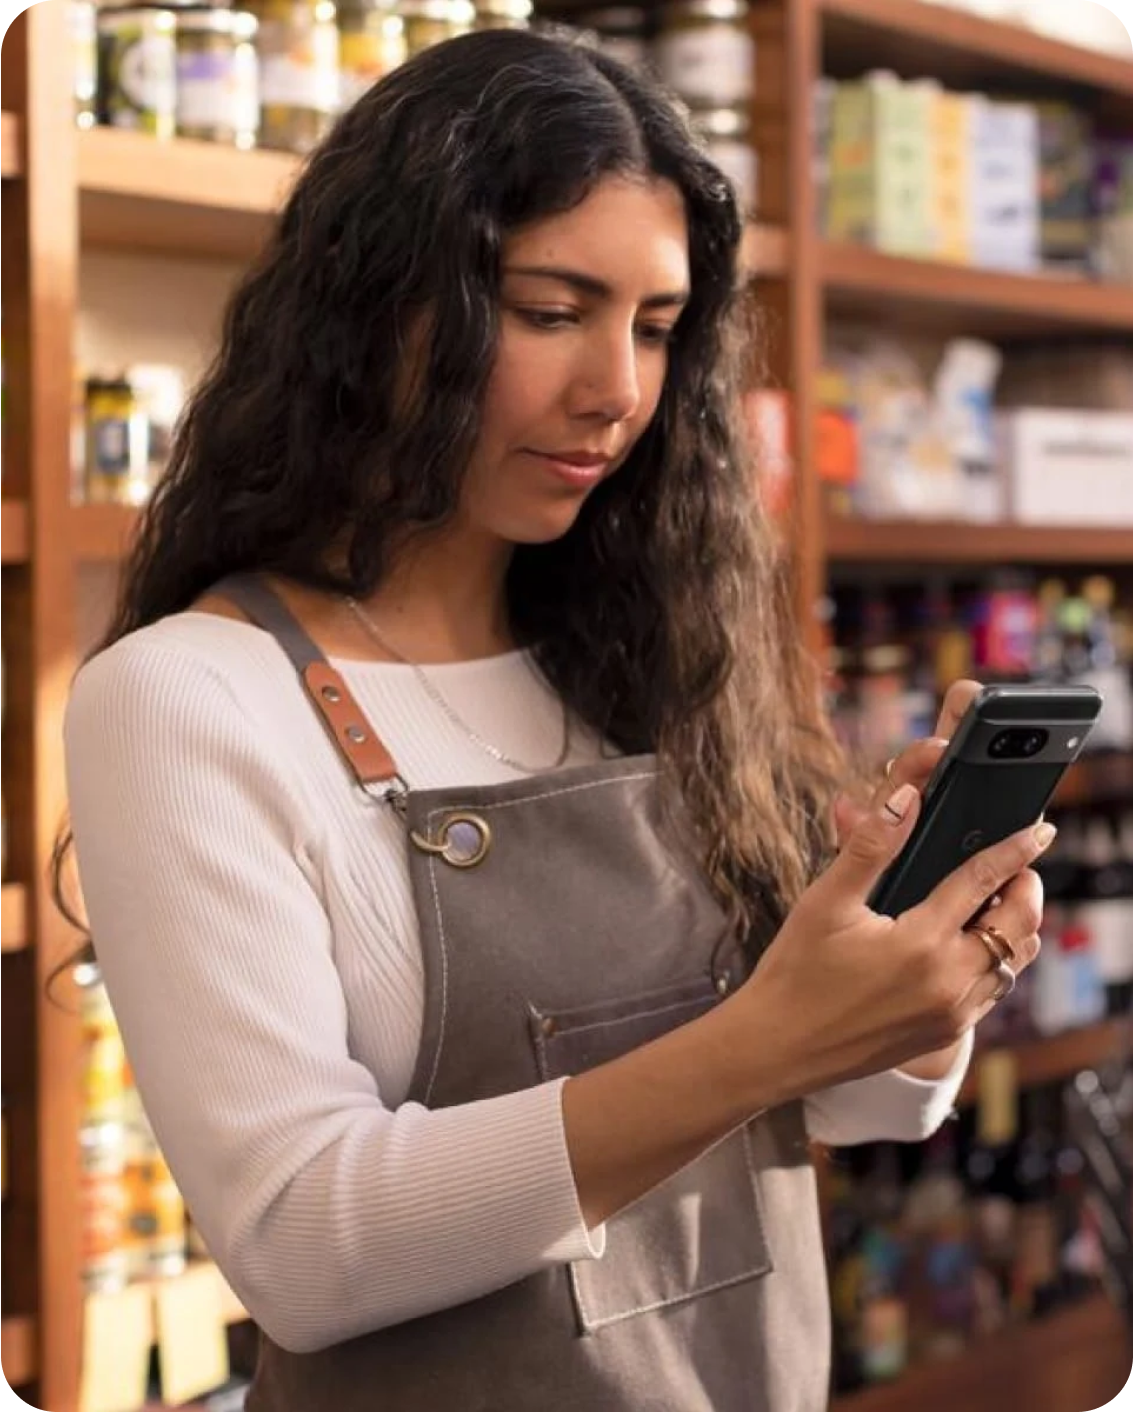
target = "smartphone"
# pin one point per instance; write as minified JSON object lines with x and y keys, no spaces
{"x":996,"y":777}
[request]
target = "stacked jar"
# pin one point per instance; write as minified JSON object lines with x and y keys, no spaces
{"x":705,"y":53}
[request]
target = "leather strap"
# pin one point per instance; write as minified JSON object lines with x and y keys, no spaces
{"x":358,"y":743}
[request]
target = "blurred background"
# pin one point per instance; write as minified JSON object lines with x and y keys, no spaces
{"x":940,"y":254}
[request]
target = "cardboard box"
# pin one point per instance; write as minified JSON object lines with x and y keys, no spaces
{"x":1067,"y":468}
{"x":1004,"y":165}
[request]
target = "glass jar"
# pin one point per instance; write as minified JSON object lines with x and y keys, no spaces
{"x":117,"y":451}
{"x":621,"y":31}
{"x":429,"y":22}
{"x":297,"y":43}
{"x":82,"y":26}
{"x":706,"y":53}
{"x":371,"y":43}
{"x":218,"y":89}
{"x":726,"y":133}
{"x":137,"y":69}
{"x":502,"y":14}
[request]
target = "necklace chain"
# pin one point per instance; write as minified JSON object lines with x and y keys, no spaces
{"x":371,"y":628}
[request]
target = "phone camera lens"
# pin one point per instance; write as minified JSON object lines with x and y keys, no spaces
{"x":1017,"y":744}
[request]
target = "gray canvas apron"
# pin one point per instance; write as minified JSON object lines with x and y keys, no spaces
{"x":581,"y":933}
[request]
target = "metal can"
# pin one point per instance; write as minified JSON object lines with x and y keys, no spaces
{"x":502,"y":14}
{"x":218,"y":85}
{"x":137,"y":69}
{"x":299,"y":91}
{"x":102,"y":1204}
{"x":117,"y":444}
{"x":429,"y":22}
{"x":104,"y":1058}
{"x":727,"y":135}
{"x":155,"y":1210}
{"x":371,"y":44}
{"x":621,"y":31}
{"x":83,"y":28}
{"x":706,"y":52}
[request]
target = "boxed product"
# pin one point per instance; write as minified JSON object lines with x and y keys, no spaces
{"x":950,"y":119}
{"x":1067,"y":468}
{"x":1066,"y":155}
{"x":1005,"y":185}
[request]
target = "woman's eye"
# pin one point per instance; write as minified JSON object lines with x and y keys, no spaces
{"x":655,"y":333}
{"x":548,"y":318}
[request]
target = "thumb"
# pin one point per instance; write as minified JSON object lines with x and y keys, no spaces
{"x":868,"y":850}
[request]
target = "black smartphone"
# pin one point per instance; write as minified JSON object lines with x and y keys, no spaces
{"x":996,"y":777}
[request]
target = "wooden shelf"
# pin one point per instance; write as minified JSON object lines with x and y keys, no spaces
{"x":18,"y":1350}
{"x":1076,"y":1358}
{"x":14,"y":532}
{"x":764,"y":253}
{"x":1097,"y":779}
{"x":11,"y":155}
{"x":1043,"y":1061}
{"x":964,"y":51}
{"x":919,"y":542}
{"x":102,"y":533}
{"x":14,"y":920}
{"x":178,"y":197}
{"x":941,"y":297}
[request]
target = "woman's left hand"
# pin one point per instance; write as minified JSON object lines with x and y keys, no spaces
{"x":915,"y":763}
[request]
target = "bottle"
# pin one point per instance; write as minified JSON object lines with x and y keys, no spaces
{"x":943,"y":1284}
{"x":1120,"y":996}
{"x":1104,"y":912}
{"x":1034,"y":1271}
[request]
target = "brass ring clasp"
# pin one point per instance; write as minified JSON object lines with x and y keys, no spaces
{"x":462,"y":839}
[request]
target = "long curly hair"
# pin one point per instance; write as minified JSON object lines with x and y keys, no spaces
{"x":663,"y":616}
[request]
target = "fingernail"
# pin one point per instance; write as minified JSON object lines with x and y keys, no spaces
{"x":1044,"y":834}
{"x":897,"y":805}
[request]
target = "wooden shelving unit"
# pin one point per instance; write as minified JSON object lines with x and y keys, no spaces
{"x":11,"y":158}
{"x":14,"y":919}
{"x":178,"y":197}
{"x":14,"y":532}
{"x":913,"y":542}
{"x":1045,"y":1061}
{"x":1074,"y":1359}
{"x":18,"y":1350}
{"x":65,"y":190}
{"x":946,"y":298}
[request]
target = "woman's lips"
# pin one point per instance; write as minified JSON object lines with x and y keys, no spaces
{"x":580,"y":469}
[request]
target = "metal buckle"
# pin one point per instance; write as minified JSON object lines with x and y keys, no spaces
{"x":446,"y":844}
{"x":393,"y":792}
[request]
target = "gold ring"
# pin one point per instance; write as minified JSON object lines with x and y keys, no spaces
{"x":889,"y":768}
{"x":999,"y":949}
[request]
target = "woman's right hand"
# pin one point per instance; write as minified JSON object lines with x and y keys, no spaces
{"x":843,"y":991}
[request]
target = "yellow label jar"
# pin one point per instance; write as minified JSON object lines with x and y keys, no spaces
{"x":371,"y":44}
{"x":429,"y":22}
{"x":218,"y":90}
{"x":297,"y":44}
{"x":706,"y":53}
{"x":137,"y":63}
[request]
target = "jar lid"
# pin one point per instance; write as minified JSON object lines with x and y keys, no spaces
{"x":508,"y":9}
{"x":722,"y":122}
{"x":453,"y":11}
{"x":119,"y":16}
{"x":626,"y":19}
{"x":202,"y":19}
{"x":706,"y":9}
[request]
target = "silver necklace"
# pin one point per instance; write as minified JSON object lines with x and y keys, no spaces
{"x":371,"y":628}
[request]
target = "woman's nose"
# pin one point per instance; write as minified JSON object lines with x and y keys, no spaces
{"x":608,"y":384}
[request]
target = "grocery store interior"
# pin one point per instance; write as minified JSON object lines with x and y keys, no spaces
{"x":939,"y":249}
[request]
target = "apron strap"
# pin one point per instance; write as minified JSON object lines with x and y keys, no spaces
{"x":358,"y":743}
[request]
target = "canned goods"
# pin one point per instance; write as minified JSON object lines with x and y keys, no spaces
{"x":155,"y":1211}
{"x":371,"y":44}
{"x":137,"y":69}
{"x":299,"y":90}
{"x":621,"y":31}
{"x":429,"y":22}
{"x":502,"y":14}
{"x":117,"y":449}
{"x":727,"y":136}
{"x":102,"y":1206}
{"x":706,"y":52}
{"x":104,"y":1058}
{"x":218,"y":86}
{"x":83,"y":30}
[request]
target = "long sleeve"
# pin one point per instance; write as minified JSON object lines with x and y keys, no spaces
{"x":330,"y":1213}
{"x":891,"y":1106}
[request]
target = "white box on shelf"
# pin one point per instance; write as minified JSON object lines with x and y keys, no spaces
{"x":1004,"y":175}
{"x":1067,"y":468}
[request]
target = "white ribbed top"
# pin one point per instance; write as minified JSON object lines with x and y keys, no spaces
{"x":256,"y":930}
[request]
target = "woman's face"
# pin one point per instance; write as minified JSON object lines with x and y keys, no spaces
{"x":589,"y":301}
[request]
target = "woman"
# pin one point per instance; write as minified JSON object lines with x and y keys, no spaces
{"x":451,"y":762}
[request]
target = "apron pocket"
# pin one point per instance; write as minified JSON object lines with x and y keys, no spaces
{"x":699,"y":1231}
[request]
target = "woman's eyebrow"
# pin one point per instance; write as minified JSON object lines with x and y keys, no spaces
{"x":597,"y":288}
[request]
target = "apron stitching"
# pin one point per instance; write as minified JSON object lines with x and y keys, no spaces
{"x":443,"y":978}
{"x":753,"y":1271}
{"x":637,"y":1015}
{"x":547,"y":794}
